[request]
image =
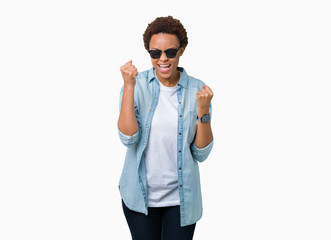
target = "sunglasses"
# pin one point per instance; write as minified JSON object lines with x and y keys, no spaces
{"x":156,"y":53}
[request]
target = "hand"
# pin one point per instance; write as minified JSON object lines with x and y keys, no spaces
{"x":129,"y":73}
{"x":204,"y":97}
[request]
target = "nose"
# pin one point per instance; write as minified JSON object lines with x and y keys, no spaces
{"x":163,"y":57}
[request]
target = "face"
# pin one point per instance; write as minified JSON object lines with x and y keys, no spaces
{"x":166,"y":68}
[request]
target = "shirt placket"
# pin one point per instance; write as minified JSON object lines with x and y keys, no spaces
{"x":180,"y":150}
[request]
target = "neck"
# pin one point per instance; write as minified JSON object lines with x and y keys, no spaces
{"x":171,"y":82}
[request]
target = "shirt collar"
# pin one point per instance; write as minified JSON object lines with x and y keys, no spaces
{"x":183,"y":76}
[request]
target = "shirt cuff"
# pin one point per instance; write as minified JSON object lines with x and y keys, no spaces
{"x":201,"y":154}
{"x":129,"y":140}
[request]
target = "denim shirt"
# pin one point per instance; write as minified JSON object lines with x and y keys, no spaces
{"x":133,"y":185}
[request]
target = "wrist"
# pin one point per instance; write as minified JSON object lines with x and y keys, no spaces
{"x":202,"y":111}
{"x":129,"y":86}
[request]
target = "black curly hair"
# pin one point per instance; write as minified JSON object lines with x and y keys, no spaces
{"x":166,"y":25}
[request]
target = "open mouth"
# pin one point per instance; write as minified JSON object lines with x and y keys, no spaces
{"x":164,"y":67}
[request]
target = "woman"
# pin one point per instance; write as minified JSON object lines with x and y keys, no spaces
{"x":165,"y":123}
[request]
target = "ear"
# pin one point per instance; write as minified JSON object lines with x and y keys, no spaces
{"x":181,"y":51}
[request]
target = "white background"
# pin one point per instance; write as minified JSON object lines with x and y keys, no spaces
{"x":268,"y":63}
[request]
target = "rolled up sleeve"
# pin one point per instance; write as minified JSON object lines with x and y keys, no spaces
{"x":129,"y":141}
{"x":201,"y":154}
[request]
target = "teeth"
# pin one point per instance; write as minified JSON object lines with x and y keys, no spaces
{"x":164,"y":66}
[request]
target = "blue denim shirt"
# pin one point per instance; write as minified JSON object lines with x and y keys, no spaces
{"x":133,"y":185}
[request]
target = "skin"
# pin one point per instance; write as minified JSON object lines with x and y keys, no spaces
{"x":127,"y":122}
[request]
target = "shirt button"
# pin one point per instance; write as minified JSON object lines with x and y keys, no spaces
{"x":180,"y":168}
{"x":181,"y":185}
{"x":180,"y":151}
{"x":180,"y":115}
{"x":180,"y":133}
{"x":180,"y":102}
{"x":144,"y":143}
{"x":147,"y":126}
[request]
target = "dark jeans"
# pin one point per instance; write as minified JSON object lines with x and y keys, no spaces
{"x":161,"y":223}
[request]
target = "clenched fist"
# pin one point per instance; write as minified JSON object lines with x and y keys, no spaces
{"x":129,"y":73}
{"x":204,"y":97}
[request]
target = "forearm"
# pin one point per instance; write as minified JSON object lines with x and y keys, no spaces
{"x":127,"y":122}
{"x":204,"y":134}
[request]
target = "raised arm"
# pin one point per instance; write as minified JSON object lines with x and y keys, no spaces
{"x":204,"y":134}
{"x":127,"y":122}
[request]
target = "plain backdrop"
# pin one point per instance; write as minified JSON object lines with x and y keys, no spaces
{"x":268,"y":64}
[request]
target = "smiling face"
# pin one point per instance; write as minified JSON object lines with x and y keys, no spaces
{"x":166,"y":68}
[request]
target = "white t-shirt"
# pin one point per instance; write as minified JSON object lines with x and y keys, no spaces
{"x":161,"y":151}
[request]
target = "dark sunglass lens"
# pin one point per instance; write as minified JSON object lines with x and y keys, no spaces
{"x":155,"y":54}
{"x":171,"y":53}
